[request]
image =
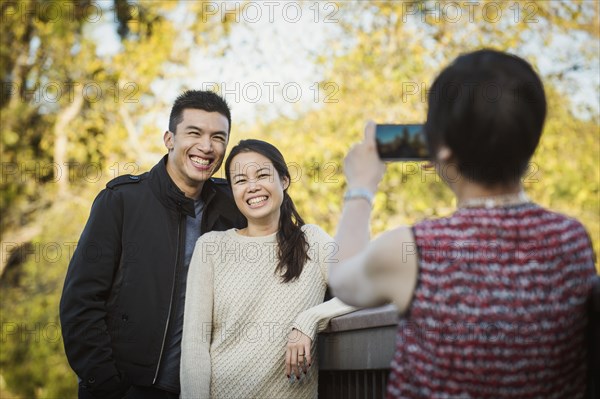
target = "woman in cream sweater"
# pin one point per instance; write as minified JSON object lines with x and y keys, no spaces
{"x":255,"y":296}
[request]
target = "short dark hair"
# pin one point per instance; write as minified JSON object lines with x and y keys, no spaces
{"x":292,"y":245}
{"x":489,"y":108}
{"x":197,"y":99}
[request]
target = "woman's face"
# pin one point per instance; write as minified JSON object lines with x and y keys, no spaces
{"x":257,"y":187}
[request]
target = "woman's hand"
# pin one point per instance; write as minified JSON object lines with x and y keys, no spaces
{"x":362,"y":166}
{"x":297,"y":354}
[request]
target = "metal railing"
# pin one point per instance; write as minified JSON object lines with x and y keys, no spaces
{"x":355,"y":354}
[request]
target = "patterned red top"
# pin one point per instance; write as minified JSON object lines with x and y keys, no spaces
{"x":499,"y":310}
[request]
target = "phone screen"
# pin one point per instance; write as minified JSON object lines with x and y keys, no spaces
{"x":401,"y":142}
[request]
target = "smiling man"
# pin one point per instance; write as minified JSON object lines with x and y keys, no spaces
{"x":123,"y":300}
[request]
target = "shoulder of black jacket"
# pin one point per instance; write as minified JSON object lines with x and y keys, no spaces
{"x":125,"y":179}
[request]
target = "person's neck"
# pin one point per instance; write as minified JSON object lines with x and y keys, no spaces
{"x":190,"y":191}
{"x":261,"y":228}
{"x":466,"y":191}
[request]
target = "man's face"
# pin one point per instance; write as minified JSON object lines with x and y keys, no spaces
{"x":197,"y":148}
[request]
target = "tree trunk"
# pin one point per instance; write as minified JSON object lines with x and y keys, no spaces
{"x":61,"y":140}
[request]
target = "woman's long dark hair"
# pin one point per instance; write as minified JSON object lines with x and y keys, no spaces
{"x":292,"y":246}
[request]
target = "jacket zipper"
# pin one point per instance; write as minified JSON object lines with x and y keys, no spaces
{"x":177,"y":259}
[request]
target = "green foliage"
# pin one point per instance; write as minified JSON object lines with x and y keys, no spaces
{"x":68,"y":124}
{"x":381,"y":72}
{"x":32,"y":359}
{"x":564,"y":174}
{"x":385,"y":77}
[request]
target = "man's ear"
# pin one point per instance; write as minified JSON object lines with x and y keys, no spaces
{"x":168,"y":139}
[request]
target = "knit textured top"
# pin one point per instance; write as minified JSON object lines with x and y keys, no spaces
{"x":499,"y":310}
{"x":238,"y":315}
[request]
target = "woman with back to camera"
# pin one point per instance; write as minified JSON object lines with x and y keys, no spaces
{"x":493,"y":296}
{"x":251,"y":290}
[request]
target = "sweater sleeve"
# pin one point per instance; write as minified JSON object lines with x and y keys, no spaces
{"x":314,"y":320}
{"x":195,"y":369}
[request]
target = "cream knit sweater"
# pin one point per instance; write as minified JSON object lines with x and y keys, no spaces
{"x":238,"y":315}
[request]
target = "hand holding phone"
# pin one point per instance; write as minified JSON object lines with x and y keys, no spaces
{"x":362,"y":167}
{"x":401,"y":142}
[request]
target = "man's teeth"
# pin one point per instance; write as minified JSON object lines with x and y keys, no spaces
{"x":256,"y":200}
{"x":200,"y":161}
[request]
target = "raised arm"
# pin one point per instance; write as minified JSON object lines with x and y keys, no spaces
{"x":83,"y":305}
{"x":370,"y":272}
{"x":385,"y":271}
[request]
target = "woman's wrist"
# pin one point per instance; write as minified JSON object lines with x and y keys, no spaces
{"x":359,"y":193}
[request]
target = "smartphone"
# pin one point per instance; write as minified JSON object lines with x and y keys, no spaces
{"x":401,"y":142}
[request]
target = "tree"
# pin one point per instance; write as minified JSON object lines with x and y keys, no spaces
{"x":68,"y":116}
{"x":384,"y":74}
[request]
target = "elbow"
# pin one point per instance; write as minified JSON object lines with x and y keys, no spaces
{"x":66,"y":309}
{"x":341,"y":289}
{"x":350,"y":297}
{"x":347,"y":298}
{"x":351,"y":291}
{"x":338,"y":292}
{"x":335,"y":281}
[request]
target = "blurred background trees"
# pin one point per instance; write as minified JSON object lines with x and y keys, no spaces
{"x":74,"y":115}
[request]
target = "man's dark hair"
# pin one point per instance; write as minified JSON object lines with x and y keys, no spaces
{"x":196,"y":99}
{"x":489,"y":108}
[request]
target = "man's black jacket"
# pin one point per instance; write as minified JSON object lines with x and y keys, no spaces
{"x":121,"y":281}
